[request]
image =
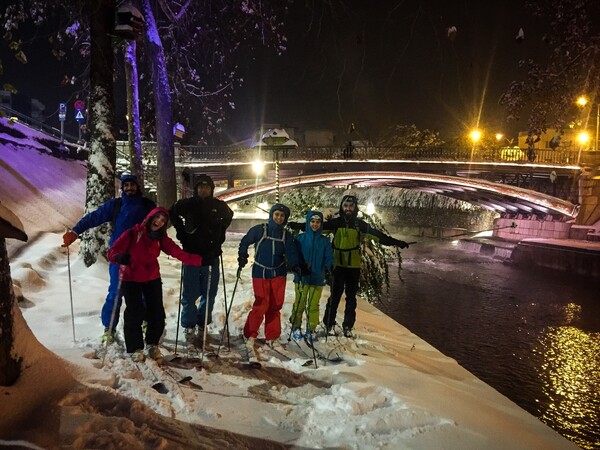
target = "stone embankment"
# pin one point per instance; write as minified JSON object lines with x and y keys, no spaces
{"x":576,"y":257}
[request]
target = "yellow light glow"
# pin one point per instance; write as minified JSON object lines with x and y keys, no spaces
{"x":475,"y":135}
{"x":582,"y":101}
{"x":258,"y":167}
{"x":499,"y":136}
{"x":583,"y":137}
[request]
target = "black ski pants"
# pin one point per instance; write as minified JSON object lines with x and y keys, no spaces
{"x":344,"y":279}
{"x":136,"y":294}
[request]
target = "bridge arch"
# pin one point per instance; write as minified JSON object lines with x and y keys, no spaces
{"x":495,"y":196}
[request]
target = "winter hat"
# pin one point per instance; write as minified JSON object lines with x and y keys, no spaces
{"x":129,"y":177}
{"x":280,"y":207}
{"x":204,"y":180}
{"x":349,"y":199}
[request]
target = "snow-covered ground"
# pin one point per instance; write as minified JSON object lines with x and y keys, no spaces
{"x":392,"y":389}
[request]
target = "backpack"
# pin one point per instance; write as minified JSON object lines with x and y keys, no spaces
{"x":265,"y":236}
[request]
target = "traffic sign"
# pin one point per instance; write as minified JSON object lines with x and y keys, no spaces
{"x":79,"y":104}
{"x":62,"y":116}
{"x":79,"y":116}
{"x":62,"y":107}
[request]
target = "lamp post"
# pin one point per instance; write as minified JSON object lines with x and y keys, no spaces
{"x":583,"y":138}
{"x":475,"y":136}
{"x":582,"y":101}
{"x":276,"y":139}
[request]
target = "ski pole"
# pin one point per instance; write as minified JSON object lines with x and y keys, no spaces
{"x":71,"y":292}
{"x":307,"y":308}
{"x":179,"y":308}
{"x":329,"y":303}
{"x":114,"y":311}
{"x":237,"y":278}
{"x":225,"y":300}
{"x":206,"y":307}
{"x":295,"y":311}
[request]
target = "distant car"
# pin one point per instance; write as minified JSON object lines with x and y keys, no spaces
{"x":512,"y":154}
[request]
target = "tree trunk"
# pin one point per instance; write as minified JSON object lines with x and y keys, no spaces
{"x":100,"y":185}
{"x":166,"y":179}
{"x":133,"y":112}
{"x":10,"y":367}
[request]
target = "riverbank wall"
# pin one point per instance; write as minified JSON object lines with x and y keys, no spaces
{"x":577,"y":257}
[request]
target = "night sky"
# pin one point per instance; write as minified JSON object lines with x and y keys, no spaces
{"x":377,"y":63}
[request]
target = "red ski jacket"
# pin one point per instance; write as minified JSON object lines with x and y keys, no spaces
{"x":144,"y":251}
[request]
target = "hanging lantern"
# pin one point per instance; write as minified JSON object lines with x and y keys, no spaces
{"x":129,"y":22}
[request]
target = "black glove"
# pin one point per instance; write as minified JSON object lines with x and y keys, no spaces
{"x":123,"y":259}
{"x":301,"y":270}
{"x":328,"y":277}
{"x":242,"y":261}
{"x":399,"y":243}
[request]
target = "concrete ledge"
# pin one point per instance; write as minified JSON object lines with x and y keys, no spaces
{"x":576,"y":257}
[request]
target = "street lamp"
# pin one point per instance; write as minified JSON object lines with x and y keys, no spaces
{"x":582,"y":101}
{"x":583,"y":138}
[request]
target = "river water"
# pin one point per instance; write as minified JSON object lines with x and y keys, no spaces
{"x":533,"y":336}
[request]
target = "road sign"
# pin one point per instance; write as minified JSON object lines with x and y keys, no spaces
{"x":62,"y":116}
{"x":62,"y":107}
{"x":79,"y":116}
{"x":79,"y":104}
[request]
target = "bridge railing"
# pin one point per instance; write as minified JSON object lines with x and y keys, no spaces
{"x":565,"y":156}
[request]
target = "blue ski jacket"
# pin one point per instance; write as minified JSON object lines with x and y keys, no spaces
{"x":316,"y":251}
{"x":272,"y":246}
{"x":132,"y":211}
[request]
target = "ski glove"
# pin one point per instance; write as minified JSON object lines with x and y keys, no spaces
{"x":242,"y":261}
{"x":124,"y":259}
{"x":399,"y":243}
{"x":301,"y":270}
{"x":68,"y":238}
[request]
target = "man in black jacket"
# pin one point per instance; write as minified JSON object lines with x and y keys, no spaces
{"x":201,"y":222}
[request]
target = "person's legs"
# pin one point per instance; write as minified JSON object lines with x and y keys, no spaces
{"x":256,"y":315}
{"x":352,"y":279}
{"x":191,"y":292}
{"x":214,"y":286}
{"x":298,"y":306}
{"x":113,"y":288}
{"x":312,"y":297}
{"x":133,"y":316}
{"x":155,"y":311}
{"x":337,"y":289}
{"x":272,"y":315}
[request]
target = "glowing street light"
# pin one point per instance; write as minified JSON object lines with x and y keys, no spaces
{"x":582,"y":101}
{"x":583,"y":138}
{"x":475,"y":136}
{"x":499,"y":136}
{"x":258,"y":166}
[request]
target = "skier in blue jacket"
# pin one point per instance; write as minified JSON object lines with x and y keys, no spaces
{"x":274,"y":251}
{"x":318,"y":256}
{"x":124,"y":212}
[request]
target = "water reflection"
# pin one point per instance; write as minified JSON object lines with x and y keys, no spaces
{"x":570,"y":381}
{"x":534,"y":337}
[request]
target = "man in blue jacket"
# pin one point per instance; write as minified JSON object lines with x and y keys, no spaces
{"x":123,"y":212}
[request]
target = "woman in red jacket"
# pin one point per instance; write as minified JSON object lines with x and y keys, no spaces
{"x":137,"y":251}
